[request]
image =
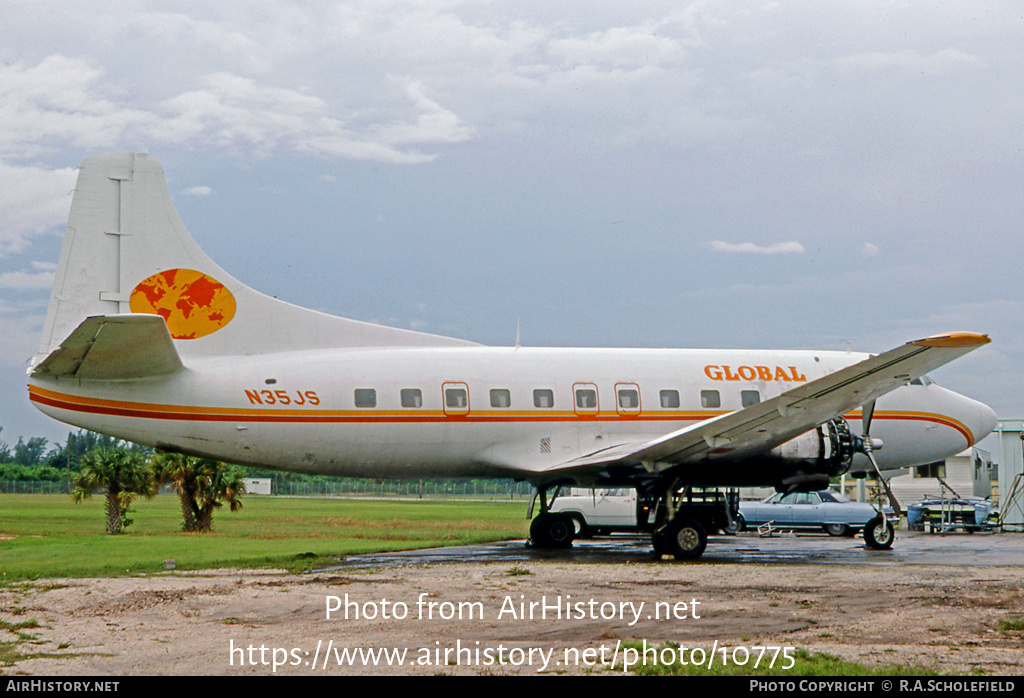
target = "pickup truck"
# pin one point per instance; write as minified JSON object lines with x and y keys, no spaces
{"x":598,"y":511}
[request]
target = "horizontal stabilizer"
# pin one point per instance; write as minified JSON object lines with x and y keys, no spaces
{"x":114,"y":347}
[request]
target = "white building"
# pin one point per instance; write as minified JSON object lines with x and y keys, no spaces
{"x":1011,"y":472}
{"x":257,"y":485}
{"x":967,"y":474}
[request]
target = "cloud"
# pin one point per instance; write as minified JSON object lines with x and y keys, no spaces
{"x":435,"y":124}
{"x":21,"y":337}
{"x":21,"y":323}
{"x":790,"y":247}
{"x":621,"y":48}
{"x":62,"y":101}
{"x":230,"y":110}
{"x":33,"y":201}
{"x":198,"y":191}
{"x":59,"y":102}
{"x":869,"y":250}
{"x":26,"y":281}
{"x":910,"y":61}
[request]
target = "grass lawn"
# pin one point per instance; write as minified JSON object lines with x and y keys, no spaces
{"x":45,"y":536}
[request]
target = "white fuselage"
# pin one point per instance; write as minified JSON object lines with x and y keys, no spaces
{"x":479,"y":411}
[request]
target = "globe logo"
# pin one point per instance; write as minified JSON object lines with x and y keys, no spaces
{"x":191,"y":303}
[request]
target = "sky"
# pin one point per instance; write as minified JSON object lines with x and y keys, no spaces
{"x":819,"y":174}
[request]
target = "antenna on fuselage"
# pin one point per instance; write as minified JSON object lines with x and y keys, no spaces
{"x":517,"y":334}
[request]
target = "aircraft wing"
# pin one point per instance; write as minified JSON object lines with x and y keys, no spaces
{"x":114,"y":347}
{"x":759,"y":428}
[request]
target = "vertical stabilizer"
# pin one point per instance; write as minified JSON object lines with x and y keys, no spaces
{"x":126,"y":251}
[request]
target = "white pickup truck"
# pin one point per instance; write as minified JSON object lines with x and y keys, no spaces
{"x":598,"y":511}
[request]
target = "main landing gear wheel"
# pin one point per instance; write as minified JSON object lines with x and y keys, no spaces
{"x":552,"y":530}
{"x":684,"y":539}
{"x":879,"y":534}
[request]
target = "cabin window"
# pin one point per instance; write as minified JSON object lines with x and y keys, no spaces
{"x":366,"y":397}
{"x":501,"y":397}
{"x":710,"y":398}
{"x":586,"y":398}
{"x":749,"y":397}
{"x":669,"y":399}
{"x":629,"y":398}
{"x":412,"y":397}
{"x":456,"y":398}
{"x":543,"y":398}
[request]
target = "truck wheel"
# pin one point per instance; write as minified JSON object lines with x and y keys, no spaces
{"x":582,"y":529}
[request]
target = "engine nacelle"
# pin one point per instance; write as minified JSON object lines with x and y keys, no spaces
{"x":805,"y":463}
{"x":825,"y":450}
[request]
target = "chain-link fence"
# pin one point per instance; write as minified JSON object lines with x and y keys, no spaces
{"x":343,"y":487}
{"x":429,"y":489}
{"x":34,"y":487}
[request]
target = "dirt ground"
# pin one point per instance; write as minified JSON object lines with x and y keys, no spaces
{"x":490,"y":618}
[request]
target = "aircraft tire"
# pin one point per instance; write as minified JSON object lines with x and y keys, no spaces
{"x":879,"y":534}
{"x":658,"y":543}
{"x":552,"y":531}
{"x":685,"y":539}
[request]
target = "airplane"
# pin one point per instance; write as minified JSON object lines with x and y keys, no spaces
{"x":148,"y":340}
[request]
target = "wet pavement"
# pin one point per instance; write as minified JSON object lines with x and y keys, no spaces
{"x":979,"y":550}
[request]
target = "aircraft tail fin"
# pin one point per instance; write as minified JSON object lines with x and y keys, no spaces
{"x":126,"y":251}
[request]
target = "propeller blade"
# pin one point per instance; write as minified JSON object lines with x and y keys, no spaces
{"x":867,"y":414}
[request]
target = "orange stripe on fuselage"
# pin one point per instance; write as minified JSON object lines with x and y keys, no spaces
{"x":146,"y":410}
{"x":921,"y":417}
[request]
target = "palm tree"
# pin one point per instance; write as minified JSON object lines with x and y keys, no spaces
{"x":179,"y":470}
{"x":122,"y":474}
{"x":202,"y":485}
{"x":223,"y":484}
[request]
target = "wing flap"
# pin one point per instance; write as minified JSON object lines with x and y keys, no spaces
{"x":759,"y":428}
{"x":114,"y":347}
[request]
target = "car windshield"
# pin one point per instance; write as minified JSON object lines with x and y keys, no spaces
{"x":792,"y":498}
